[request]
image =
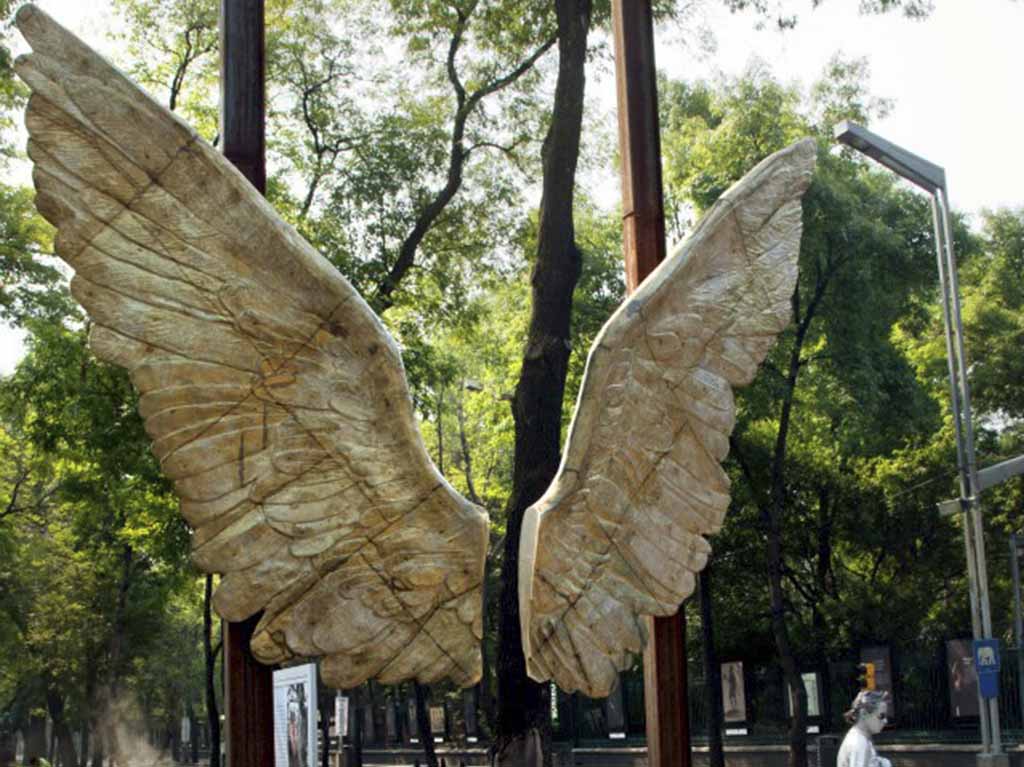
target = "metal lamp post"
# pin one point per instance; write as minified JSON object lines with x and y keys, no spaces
{"x":932,"y":179}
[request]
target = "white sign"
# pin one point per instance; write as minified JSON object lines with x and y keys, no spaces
{"x":295,"y":717}
{"x":341,"y":715}
{"x":734,"y":698}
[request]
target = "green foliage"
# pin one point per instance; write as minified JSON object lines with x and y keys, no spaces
{"x":993,"y":306}
{"x":170,"y":48}
{"x":98,"y":551}
{"x":867,"y":453}
{"x":32,"y":284}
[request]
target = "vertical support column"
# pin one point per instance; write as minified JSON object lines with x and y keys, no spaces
{"x":668,"y":731}
{"x":938,"y":219}
{"x":242,"y":90}
{"x":1018,"y":623}
{"x":248,"y":684}
{"x":643,"y":212}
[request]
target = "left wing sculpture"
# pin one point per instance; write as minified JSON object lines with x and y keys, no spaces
{"x":278,"y":406}
{"x":275,"y":398}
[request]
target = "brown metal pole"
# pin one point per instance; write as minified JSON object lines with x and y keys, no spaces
{"x":643,"y":216}
{"x":248,"y":684}
{"x":242,"y":89}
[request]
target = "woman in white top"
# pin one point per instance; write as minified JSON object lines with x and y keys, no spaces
{"x":868,"y":716}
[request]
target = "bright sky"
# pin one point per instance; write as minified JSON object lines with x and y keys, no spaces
{"x":954,"y":79}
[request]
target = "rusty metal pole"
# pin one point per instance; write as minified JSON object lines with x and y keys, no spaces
{"x":249,"y":696}
{"x":665,"y":697}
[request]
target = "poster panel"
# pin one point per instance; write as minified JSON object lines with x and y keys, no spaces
{"x":615,"y":712}
{"x":437,"y":723}
{"x":341,"y":715}
{"x":812,"y":689}
{"x":369,"y":733}
{"x":880,"y":657}
{"x":295,"y":741}
{"x":469,"y":701}
{"x":963,"y":678}
{"x":391,"y":715}
{"x":734,"y":699}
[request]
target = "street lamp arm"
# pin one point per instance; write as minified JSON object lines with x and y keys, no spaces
{"x":917,"y":170}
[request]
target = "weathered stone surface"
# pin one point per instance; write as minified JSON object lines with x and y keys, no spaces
{"x":619,"y":534}
{"x":275,"y":398}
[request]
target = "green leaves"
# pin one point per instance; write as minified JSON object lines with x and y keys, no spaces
{"x":31,"y":285}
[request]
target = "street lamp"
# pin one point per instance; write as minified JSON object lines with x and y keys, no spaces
{"x":932,"y":179}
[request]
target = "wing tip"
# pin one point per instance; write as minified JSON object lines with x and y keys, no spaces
{"x":33,"y":23}
{"x":26,"y":13}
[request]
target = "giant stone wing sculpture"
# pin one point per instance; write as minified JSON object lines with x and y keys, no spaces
{"x":618,"y":535}
{"x":275,"y":398}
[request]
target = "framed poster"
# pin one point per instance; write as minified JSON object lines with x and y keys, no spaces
{"x":469,"y":700}
{"x":734,"y":699}
{"x":391,"y":721}
{"x":812,"y":689}
{"x":879,"y":656}
{"x":369,"y":733}
{"x":295,"y":716}
{"x":437,"y":723}
{"x":341,"y":715}
{"x":615,"y":712}
{"x":410,"y":714}
{"x":963,"y":679}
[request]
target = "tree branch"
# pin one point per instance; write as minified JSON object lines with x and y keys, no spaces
{"x":384,"y":295}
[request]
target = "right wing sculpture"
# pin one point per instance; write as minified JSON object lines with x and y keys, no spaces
{"x":619,"y":534}
{"x":275,"y":398}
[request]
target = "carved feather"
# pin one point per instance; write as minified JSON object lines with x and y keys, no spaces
{"x":619,"y":534}
{"x":275,"y":398}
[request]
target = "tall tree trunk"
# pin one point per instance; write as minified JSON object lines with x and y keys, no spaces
{"x":440,"y":430}
{"x":90,"y":730}
{"x":522,"y":717}
{"x":83,"y":756}
{"x":780,"y":630}
{"x":61,"y":731}
{"x":773,"y":515}
{"x":712,"y":675}
{"x":355,"y":701}
{"x":823,"y":591}
{"x":118,"y":640}
{"x":193,"y":734}
{"x":34,"y":735}
{"x":423,"y":723}
{"x":486,"y":698}
{"x":210,"y":653}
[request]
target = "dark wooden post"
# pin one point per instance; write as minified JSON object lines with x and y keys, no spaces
{"x":665,"y":699}
{"x":249,"y":684}
{"x":242,"y":91}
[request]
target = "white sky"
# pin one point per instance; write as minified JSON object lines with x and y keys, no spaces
{"x":955,"y":80}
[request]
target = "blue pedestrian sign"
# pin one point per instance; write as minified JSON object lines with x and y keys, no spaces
{"x":986,"y":663}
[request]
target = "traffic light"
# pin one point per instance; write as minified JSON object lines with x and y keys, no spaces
{"x":866,"y":676}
